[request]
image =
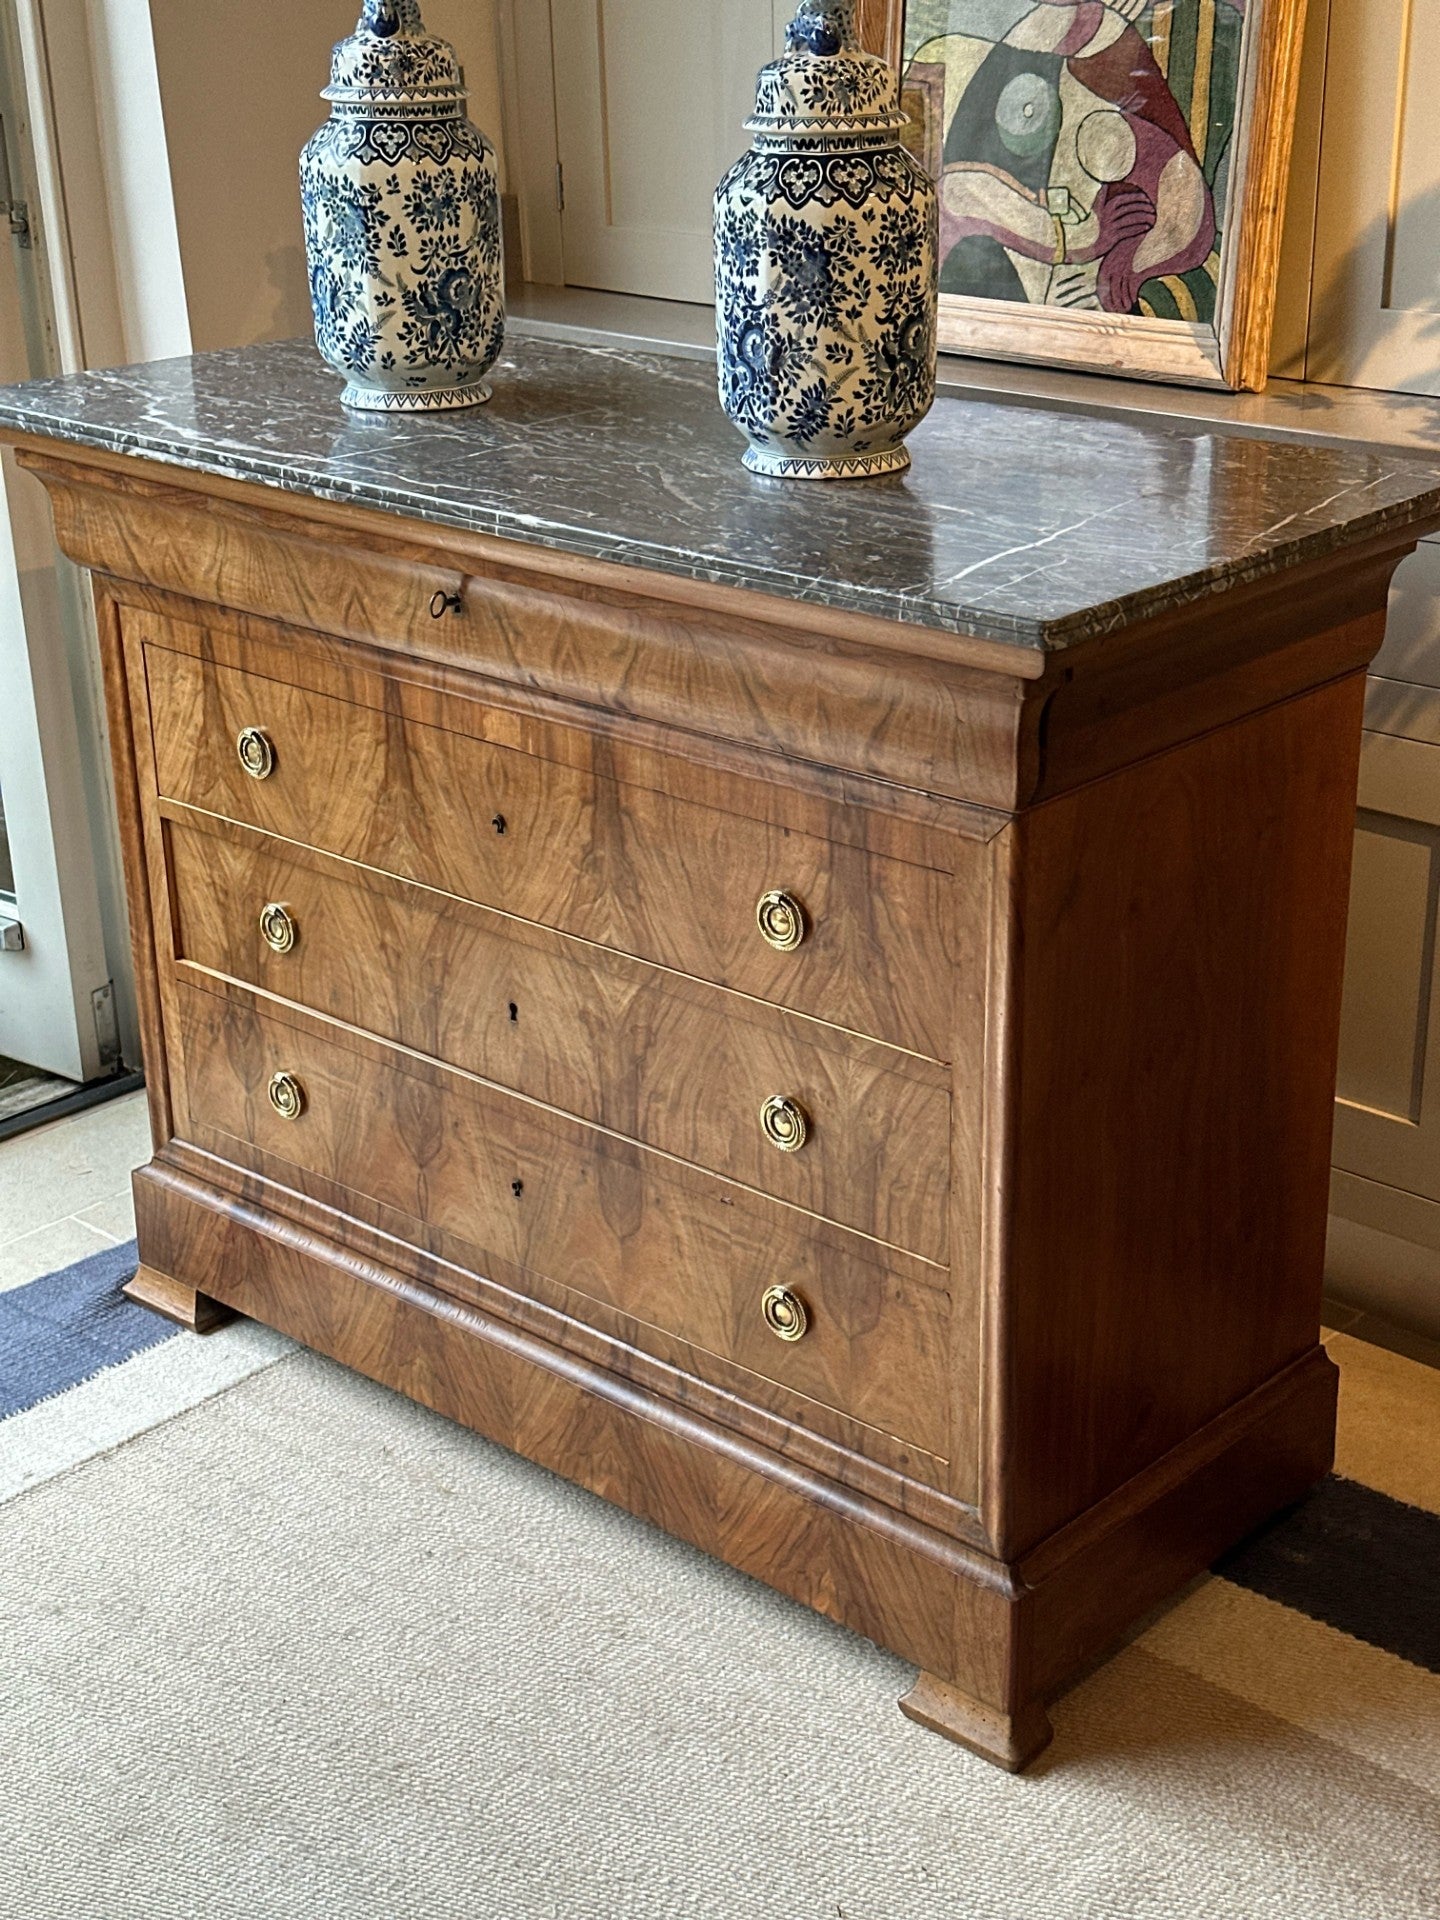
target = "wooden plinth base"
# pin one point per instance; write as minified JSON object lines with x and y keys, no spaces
{"x":172,"y":1301}
{"x":993,"y":1641}
{"x":1010,"y":1741}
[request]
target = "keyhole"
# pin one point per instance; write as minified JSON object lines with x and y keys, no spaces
{"x":514,"y":1014}
{"x":517,"y":1187}
{"x":500,"y":823}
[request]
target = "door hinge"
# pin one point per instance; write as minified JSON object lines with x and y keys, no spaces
{"x":107,"y":1024}
{"x":12,"y":935}
{"x":559,"y":188}
{"x":17,"y":212}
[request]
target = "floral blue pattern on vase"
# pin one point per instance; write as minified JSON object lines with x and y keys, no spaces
{"x":827,"y":264}
{"x":401,"y":198}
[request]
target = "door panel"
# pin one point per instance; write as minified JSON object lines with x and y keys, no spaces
{"x":1375,"y":316}
{"x":1387,"y":1124}
{"x":651,"y":102}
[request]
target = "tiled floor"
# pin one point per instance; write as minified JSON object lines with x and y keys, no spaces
{"x":23,"y":1088}
{"x":65,"y":1189}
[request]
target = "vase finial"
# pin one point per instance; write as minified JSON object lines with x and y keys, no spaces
{"x":387,"y":18}
{"x":823,"y":26}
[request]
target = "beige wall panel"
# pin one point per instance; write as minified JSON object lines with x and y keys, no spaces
{"x":1374,"y":321}
{"x":1387,"y":1126}
{"x":1375,"y":316}
{"x":1385,"y":1272}
{"x":1387,"y":996}
{"x":641,"y":162}
{"x":1412,"y":636}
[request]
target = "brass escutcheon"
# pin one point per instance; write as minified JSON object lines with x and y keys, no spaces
{"x":287,"y":1096}
{"x":278,"y":929}
{"x":785,"y":1123}
{"x":785,"y":1314}
{"x":781,"y":920}
{"x":257,"y":752}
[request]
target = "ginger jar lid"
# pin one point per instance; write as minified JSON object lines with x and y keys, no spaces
{"x":390,"y":59}
{"x":824,"y":85}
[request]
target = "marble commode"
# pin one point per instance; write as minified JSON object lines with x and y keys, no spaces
{"x":811,"y":1012}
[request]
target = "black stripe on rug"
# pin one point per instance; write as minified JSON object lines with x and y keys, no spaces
{"x":1356,"y":1560}
{"x":61,"y":1331}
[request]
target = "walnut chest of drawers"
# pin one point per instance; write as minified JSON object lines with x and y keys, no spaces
{"x":856,"y":1095}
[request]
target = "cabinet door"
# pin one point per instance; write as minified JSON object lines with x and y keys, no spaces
{"x":1375,"y":299}
{"x":1387,"y":1125}
{"x":650,"y":102}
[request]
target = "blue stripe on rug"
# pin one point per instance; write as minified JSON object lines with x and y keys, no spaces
{"x":1356,"y":1560}
{"x":58,"y":1332}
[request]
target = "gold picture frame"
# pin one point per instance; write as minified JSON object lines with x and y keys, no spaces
{"x":1239,"y":60}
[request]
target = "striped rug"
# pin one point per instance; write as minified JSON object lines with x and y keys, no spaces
{"x":278,"y":1645}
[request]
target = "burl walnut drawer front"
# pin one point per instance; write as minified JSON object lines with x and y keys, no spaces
{"x":844,"y":1127}
{"x":824,"y":1314}
{"x":850,"y":937}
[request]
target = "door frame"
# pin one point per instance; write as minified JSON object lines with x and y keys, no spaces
{"x":54,"y":974}
{"x":96,"y":174}
{"x":532,"y":135}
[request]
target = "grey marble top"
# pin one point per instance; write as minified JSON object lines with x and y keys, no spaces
{"x":1021,"y":524}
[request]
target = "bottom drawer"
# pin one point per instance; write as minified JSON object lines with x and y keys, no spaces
{"x":676,"y":1249}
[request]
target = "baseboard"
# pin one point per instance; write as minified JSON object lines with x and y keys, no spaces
{"x":1384,"y":1253}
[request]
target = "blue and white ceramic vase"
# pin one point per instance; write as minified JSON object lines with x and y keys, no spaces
{"x":402,"y":223}
{"x":826,"y":261}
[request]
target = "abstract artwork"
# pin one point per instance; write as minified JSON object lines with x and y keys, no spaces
{"x":1110,"y":173}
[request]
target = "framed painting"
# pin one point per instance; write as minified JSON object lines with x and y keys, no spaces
{"x":1112,"y":175}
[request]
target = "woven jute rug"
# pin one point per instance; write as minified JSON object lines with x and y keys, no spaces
{"x":278,"y":1645}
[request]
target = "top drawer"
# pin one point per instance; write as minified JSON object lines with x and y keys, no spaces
{"x":624,"y":866}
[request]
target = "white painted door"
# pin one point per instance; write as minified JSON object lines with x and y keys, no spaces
{"x":1375,"y":296}
{"x":651,"y":100}
{"x":56,"y":1004}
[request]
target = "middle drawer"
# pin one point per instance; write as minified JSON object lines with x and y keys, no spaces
{"x":844,"y":1127}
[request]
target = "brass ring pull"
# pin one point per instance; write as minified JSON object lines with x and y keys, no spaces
{"x":444,"y":603}
{"x":785,"y":1314}
{"x":287,"y":1096}
{"x":781,"y":920}
{"x":785,"y":1123}
{"x":257,"y":752}
{"x":278,"y":929}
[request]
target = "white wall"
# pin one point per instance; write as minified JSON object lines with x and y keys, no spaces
{"x":240,"y":87}
{"x":142,"y":221}
{"x":471,"y":27}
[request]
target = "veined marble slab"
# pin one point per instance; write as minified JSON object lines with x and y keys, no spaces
{"x":1024,"y":524}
